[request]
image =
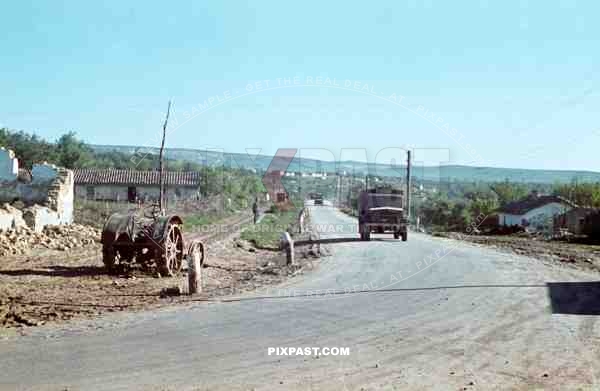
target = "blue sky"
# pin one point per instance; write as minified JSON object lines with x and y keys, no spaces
{"x":512,"y":83}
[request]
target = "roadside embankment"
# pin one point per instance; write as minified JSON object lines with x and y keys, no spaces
{"x":267,"y":233}
{"x":579,"y":255}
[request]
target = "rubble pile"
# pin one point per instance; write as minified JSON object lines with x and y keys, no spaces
{"x":21,"y":240}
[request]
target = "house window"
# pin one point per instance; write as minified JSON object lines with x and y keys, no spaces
{"x":90,"y":193}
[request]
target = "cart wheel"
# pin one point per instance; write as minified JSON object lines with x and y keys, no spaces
{"x":171,"y":260}
{"x":396,"y":235}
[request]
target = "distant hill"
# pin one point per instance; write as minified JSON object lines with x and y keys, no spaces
{"x":456,"y":173}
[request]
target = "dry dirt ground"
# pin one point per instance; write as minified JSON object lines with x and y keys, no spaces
{"x":49,"y":285}
{"x":574,"y":254}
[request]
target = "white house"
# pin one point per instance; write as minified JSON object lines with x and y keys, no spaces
{"x":535,"y":212}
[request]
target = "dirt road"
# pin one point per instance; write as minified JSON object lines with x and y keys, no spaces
{"x":429,"y":313}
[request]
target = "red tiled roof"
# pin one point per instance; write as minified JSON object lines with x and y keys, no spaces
{"x":131,"y":177}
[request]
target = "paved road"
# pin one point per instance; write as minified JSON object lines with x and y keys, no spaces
{"x":432,"y":314}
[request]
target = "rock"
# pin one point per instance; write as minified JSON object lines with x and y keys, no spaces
{"x":22,"y":239}
{"x":246,"y":276}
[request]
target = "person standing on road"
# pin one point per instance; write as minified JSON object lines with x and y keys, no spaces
{"x":255,"y":209}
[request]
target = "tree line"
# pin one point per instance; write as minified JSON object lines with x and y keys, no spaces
{"x":70,"y":152}
{"x":73,"y":153}
{"x":471,"y":201}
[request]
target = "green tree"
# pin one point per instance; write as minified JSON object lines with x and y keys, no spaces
{"x":509,"y":192}
{"x":29,"y":149}
{"x":483,"y":204}
{"x":72,"y":152}
{"x":583,"y":194}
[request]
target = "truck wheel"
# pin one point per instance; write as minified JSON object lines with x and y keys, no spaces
{"x":365,"y":233}
{"x":404,"y":236}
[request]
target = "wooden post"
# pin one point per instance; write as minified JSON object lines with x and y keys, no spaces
{"x":161,"y":201}
{"x":301,"y":221}
{"x":287,"y":244}
{"x":195,"y":259}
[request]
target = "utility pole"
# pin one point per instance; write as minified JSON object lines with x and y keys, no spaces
{"x":350,"y":190}
{"x":340,"y":189}
{"x":161,"y":201}
{"x":408,"y":183}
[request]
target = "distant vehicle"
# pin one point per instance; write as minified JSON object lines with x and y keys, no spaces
{"x":380,"y":211}
{"x":317,"y":198}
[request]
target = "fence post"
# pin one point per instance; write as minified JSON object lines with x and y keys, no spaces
{"x":195,"y":259}
{"x":287,"y":244}
{"x":301,"y":221}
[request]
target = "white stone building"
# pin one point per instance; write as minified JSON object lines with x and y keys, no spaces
{"x":535,"y":212}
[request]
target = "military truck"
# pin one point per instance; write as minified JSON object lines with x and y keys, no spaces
{"x":318,"y":199}
{"x":381,"y":210}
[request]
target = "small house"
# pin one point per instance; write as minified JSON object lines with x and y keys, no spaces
{"x":535,"y":212}
{"x":132,"y":185}
{"x":578,"y":221}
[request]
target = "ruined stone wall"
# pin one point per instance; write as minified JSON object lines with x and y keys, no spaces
{"x":47,"y":199}
{"x":9,"y":166}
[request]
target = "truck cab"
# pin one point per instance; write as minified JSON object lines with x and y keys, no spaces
{"x":382,"y":211}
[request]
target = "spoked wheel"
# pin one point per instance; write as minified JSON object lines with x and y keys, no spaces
{"x":172,"y":258}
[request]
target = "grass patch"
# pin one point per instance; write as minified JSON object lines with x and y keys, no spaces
{"x":267,"y":232}
{"x":198,"y":220}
